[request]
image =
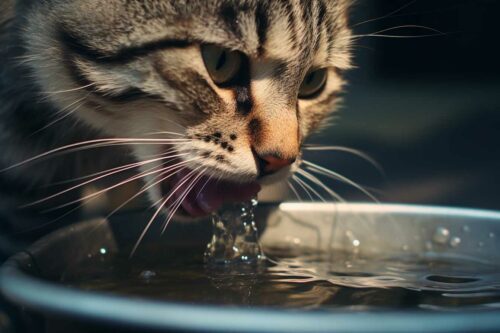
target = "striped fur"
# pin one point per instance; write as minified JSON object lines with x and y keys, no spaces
{"x":127,"y":68}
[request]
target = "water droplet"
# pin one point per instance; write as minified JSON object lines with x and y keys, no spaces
{"x":480,"y":244}
{"x":356,"y":243}
{"x":234,"y":236}
{"x":147,"y":275}
{"x":455,"y":241}
{"x":465,"y":228}
{"x":428,"y":246}
{"x":103,"y":250}
{"x":406,"y":247}
{"x":492,"y":235}
{"x":441,"y":235}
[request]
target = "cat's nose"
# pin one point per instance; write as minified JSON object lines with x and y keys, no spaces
{"x":271,"y":163}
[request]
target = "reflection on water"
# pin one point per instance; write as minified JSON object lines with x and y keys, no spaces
{"x":301,"y":280}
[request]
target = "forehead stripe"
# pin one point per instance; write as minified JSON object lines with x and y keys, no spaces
{"x":262,"y":23}
{"x":230,"y":17}
{"x":123,"y":55}
{"x":320,"y":22}
{"x":292,"y":23}
{"x":307,"y":18}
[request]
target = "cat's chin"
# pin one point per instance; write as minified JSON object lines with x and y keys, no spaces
{"x":206,"y":196}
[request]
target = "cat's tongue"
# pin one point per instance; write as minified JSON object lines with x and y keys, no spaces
{"x":208,"y":195}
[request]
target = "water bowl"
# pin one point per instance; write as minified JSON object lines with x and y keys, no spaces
{"x":329,"y":268}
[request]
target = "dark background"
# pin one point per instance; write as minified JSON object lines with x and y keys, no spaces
{"x":427,"y":108}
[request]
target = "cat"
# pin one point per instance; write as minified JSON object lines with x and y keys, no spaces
{"x":204,"y":101}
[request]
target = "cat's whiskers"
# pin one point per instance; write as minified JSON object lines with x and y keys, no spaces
{"x":48,"y":93}
{"x":158,"y":202}
{"x":65,"y":114}
{"x":309,"y":187}
{"x":300,"y":183}
{"x":386,"y":15}
{"x":69,"y":90}
{"x":160,"y":208}
{"x":91,"y":144}
{"x":348,"y":150}
{"x":179,"y":167}
{"x":163,"y":142}
{"x":164,"y":118}
{"x":153,"y":179}
{"x":181,"y":199}
{"x":165,"y":132}
{"x":167,"y":152}
{"x":164,"y":170}
{"x":336,"y":176}
{"x":294,"y":190}
{"x":317,"y":181}
{"x":108,"y":174}
{"x":97,"y":193}
{"x":381,"y":33}
{"x":205,"y":184}
{"x":26,"y":59}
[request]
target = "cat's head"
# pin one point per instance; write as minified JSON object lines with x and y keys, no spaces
{"x":234,"y":87}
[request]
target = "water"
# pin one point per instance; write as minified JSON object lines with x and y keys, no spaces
{"x":235,"y":236}
{"x":455,"y":241}
{"x":234,"y":271}
{"x":300,"y":280}
{"x":441,"y":236}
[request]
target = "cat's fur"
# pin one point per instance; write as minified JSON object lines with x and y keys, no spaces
{"x":127,"y":68}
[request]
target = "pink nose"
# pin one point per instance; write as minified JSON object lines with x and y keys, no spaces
{"x":270,"y":164}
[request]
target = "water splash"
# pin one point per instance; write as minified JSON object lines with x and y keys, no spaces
{"x":235,"y":236}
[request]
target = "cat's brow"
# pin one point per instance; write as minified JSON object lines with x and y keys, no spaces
{"x":122,"y":55}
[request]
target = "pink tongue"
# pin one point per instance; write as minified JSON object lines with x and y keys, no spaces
{"x":208,"y":196}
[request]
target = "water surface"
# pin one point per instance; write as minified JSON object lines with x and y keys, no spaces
{"x":305,"y":280}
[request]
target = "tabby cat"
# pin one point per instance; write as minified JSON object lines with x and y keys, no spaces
{"x":203,"y":100}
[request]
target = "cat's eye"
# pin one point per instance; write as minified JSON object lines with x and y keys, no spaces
{"x":313,"y":83}
{"x":222,"y":64}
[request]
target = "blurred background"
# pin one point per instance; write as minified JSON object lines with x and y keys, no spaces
{"x":424,"y":104}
